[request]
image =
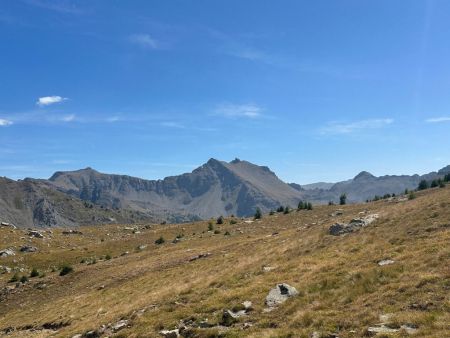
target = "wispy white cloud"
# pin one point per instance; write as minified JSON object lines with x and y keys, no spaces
{"x":251,"y":111}
{"x":348,"y":128}
{"x":438,"y":119}
{"x":5,"y":122}
{"x":144,"y":41}
{"x":171,"y":124}
{"x":48,"y":100}
{"x":68,"y":118}
{"x":61,"y":6}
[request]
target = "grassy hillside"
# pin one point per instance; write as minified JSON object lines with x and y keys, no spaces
{"x":342,"y":288}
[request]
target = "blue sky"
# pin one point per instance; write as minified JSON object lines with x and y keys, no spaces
{"x":316,"y":90}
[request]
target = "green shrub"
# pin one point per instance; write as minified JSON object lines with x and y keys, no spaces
{"x":65,"y":269}
{"x":14,"y":278}
{"x":233,"y":221}
{"x":160,"y":240}
{"x":343,"y":199}
{"x":219,"y":220}
{"x":258,"y":213}
{"x":23,"y":279}
{"x":34,"y":273}
{"x":217,"y":231}
{"x":227,"y":233}
{"x":411,"y":195}
{"x":423,"y":185}
{"x":108,"y":257}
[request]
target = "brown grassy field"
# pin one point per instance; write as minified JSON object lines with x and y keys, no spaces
{"x":342,"y":289}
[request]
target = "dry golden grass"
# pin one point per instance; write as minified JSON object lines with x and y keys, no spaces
{"x":341,"y":287}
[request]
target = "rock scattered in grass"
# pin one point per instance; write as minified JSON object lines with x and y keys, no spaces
{"x":28,"y":248}
{"x":338,"y":229}
{"x":280,"y":294}
{"x":170,"y":333}
{"x":35,"y":234}
{"x":385,"y":262}
{"x":7,"y":252}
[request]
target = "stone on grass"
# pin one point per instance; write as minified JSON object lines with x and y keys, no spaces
{"x":280,"y":294}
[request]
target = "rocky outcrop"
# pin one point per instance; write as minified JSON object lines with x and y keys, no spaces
{"x":355,"y":224}
{"x":279,"y":294}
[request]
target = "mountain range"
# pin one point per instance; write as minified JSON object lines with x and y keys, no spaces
{"x":216,"y":188}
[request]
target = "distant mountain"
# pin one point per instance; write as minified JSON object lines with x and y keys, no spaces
{"x":311,"y":186}
{"x":216,"y":188}
{"x":31,"y":203}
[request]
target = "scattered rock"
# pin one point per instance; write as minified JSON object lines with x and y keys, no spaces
{"x":247,"y":305}
{"x":5,"y":269}
{"x":170,"y":333}
{"x":338,"y":212}
{"x":142,"y":247}
{"x":28,"y":248}
{"x":121,"y":324}
{"x":199,"y":256}
{"x":36,"y":234}
{"x":385,"y":262}
{"x":229,"y":318}
{"x":280,"y":294}
{"x":338,"y":229}
{"x":6,"y":224}
{"x":268,"y":268}
{"x":7,"y":252}
{"x":72,"y":232}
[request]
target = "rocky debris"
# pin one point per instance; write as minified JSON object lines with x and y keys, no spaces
{"x":383,"y":328}
{"x":121,"y":324}
{"x":204,"y":255}
{"x":338,"y":212}
{"x":268,"y":268}
{"x":385,"y":262}
{"x":7,"y":252}
{"x":316,"y":334}
{"x":142,"y":247}
{"x":338,"y":229}
{"x":35,"y":233}
{"x":28,"y":248}
{"x":72,"y":232}
{"x":170,"y":333}
{"x":280,"y":294}
{"x":6,"y":224}
{"x":4,"y":269}
{"x":230,"y":317}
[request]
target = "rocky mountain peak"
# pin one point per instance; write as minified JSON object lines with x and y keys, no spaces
{"x":363,"y":175}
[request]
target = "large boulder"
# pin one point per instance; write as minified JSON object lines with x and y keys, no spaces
{"x":280,"y":294}
{"x":338,"y":229}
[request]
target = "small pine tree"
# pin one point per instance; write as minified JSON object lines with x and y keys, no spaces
{"x":286,"y":210}
{"x":423,"y":185}
{"x":406,"y":191}
{"x":442,"y":184}
{"x":330,"y":203}
{"x":14,"y":278}
{"x":434,"y":184}
{"x":271,"y":213}
{"x":23,"y":279}
{"x":65,"y":269}
{"x":310,"y":206}
{"x":210,"y":226}
{"x":34,"y":273}
{"x":343,"y":199}
{"x":220,"y":220}
{"x":280,"y":209}
{"x":160,"y":240}
{"x":411,"y":195}
{"x":301,"y":205}
{"x":447,"y":178}
{"x":258,"y":213}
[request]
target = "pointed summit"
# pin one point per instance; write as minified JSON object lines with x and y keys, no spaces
{"x":363,"y":175}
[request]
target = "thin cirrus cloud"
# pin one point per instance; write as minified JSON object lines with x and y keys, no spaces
{"x":49,"y":100}
{"x":336,"y":128}
{"x":438,"y":119}
{"x":250,"y":111}
{"x":5,"y":122}
{"x":144,"y":41}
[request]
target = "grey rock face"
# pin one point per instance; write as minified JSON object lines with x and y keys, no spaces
{"x":28,"y":248}
{"x":280,"y":294}
{"x":7,"y":252}
{"x":338,"y":229}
